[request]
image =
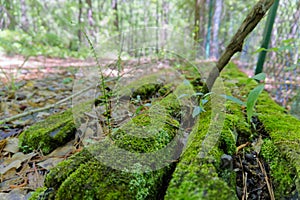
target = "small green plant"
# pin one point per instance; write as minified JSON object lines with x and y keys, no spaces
{"x":252,"y":96}
{"x":203,"y":99}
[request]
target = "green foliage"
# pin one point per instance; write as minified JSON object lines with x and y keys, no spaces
{"x":285,"y":45}
{"x":203,"y":99}
{"x":47,"y":44}
{"x":252,"y":96}
{"x":251,"y":100}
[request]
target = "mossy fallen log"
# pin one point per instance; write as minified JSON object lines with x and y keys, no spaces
{"x":83,"y":176}
{"x":282,"y":149}
{"x":53,"y":132}
{"x":201,"y":177}
{"x":90,"y":174}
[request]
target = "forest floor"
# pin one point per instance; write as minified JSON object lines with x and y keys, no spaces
{"x":24,"y":86}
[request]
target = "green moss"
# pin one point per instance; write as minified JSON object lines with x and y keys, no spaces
{"x":58,"y":174}
{"x":37,"y":193}
{"x":90,"y":175}
{"x":284,"y":132}
{"x":166,"y":89}
{"x":202,"y":178}
{"x":49,"y":134}
{"x":283,"y":150}
{"x":282,"y":173}
{"x":97,"y":181}
{"x":146,"y":90}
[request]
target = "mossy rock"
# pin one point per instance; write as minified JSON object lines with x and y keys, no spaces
{"x":53,"y":132}
{"x":49,"y":134}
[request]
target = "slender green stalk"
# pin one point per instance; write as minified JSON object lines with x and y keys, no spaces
{"x":102,"y":82}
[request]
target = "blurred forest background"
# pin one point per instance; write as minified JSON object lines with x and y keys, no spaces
{"x":57,"y":28}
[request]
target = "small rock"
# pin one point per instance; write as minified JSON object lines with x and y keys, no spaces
{"x":226,"y":161}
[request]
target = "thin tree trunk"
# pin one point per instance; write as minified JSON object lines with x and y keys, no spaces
{"x":165,"y":21}
{"x":24,"y":19}
{"x":197,"y":22}
{"x":157,"y":24}
{"x":11,"y":24}
{"x":79,"y":33}
{"x":114,"y":6}
{"x":90,"y":13}
{"x":208,"y":34}
{"x":216,"y":26}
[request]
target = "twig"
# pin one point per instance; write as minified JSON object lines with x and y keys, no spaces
{"x":242,"y":146}
{"x":245,"y":195}
{"x":271,"y":192}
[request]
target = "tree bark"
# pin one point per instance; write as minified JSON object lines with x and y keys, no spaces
{"x":114,"y":6}
{"x":79,"y":33}
{"x":24,"y":18}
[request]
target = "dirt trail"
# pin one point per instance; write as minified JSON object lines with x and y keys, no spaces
{"x":35,"y":67}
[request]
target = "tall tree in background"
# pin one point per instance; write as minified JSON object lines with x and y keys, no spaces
{"x":216,"y":25}
{"x":164,"y":18}
{"x":114,"y":5}
{"x":90,"y":12}
{"x":24,"y":18}
{"x":199,"y":24}
{"x":79,"y":33}
{"x":8,"y":7}
{"x":208,"y":34}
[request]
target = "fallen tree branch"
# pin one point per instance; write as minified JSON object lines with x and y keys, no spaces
{"x":237,"y":41}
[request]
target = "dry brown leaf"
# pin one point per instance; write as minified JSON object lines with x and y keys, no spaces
{"x":12,"y":145}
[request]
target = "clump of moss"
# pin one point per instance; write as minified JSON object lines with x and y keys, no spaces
{"x":283,"y":150}
{"x":146,"y":90}
{"x":37,"y":193}
{"x":49,"y":134}
{"x":282,"y":174}
{"x":196,"y":177}
{"x":94,"y":173}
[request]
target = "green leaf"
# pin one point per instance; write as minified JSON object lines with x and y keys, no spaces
{"x":259,"y":77}
{"x":138,"y":110}
{"x":251,"y":100}
{"x":207,"y":94}
{"x":259,"y":50}
{"x":198,"y":94}
{"x":204,"y":101}
{"x":197,"y":110}
{"x":287,"y":41}
{"x":183,"y":95}
{"x":235,"y":100}
{"x":275,"y":49}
